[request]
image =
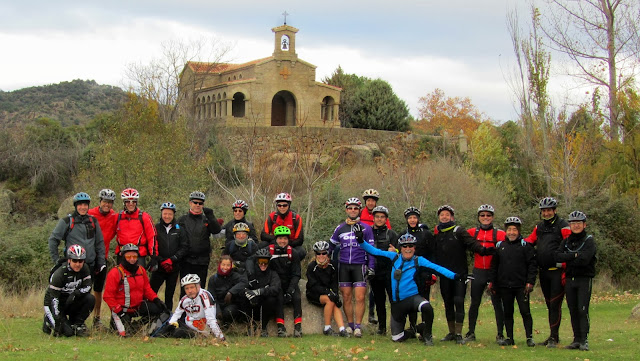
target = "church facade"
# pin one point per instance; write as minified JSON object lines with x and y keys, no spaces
{"x":279,"y":90}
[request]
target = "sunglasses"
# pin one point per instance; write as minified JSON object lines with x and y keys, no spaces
{"x":197,"y":203}
{"x":353,"y":208}
{"x":263,"y":262}
{"x":322,"y":253}
{"x":408,"y":245}
{"x":130,"y":257}
{"x":282,"y":205}
{"x":485,"y":215}
{"x":77,"y":260}
{"x":130,"y":201}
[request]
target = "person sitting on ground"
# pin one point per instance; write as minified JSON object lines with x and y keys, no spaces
{"x":196,"y":312}
{"x":512,"y":276}
{"x":405,"y":296}
{"x":285,"y":262}
{"x":228,"y":285}
{"x":264,"y":293}
{"x":322,"y":288}
{"x":128,"y":293}
{"x":578,"y":251}
{"x":240,"y":209}
{"x":68,"y":300}
{"x":241,"y":248}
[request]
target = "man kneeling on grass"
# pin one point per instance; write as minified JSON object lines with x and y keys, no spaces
{"x":195,"y":311}
{"x":68,"y":300}
{"x":405,"y":297}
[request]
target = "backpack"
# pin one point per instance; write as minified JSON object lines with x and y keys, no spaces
{"x":71,"y":222}
{"x":416,"y":276}
{"x":294,"y":219}
{"x":233,"y":246}
{"x":493,"y":240}
{"x":139,"y":218}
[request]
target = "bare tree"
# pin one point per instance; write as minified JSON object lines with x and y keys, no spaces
{"x":529,"y":84}
{"x":601,"y":39}
{"x":161,"y":79}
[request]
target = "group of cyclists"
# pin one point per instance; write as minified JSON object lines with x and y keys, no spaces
{"x":256,"y":277}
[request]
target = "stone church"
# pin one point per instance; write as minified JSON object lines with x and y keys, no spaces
{"x":279,"y":90}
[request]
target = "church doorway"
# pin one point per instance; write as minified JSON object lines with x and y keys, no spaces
{"x":283,"y":109}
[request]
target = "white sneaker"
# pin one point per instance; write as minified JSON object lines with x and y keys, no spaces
{"x":349,"y":330}
{"x":357,"y":333}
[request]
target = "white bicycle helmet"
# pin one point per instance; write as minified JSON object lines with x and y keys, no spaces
{"x":353,"y":201}
{"x":107,"y":194}
{"x":283,"y":197}
{"x":321,"y":246}
{"x":191,"y":278}
{"x":76,"y":251}
{"x":130,"y":194}
{"x":486,"y":208}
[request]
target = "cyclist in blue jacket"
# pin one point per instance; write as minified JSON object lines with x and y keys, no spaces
{"x":405,"y":297}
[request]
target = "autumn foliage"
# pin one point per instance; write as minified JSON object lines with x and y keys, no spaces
{"x":439,"y":113}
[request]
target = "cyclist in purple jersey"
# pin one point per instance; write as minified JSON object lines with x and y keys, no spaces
{"x":355,"y":264}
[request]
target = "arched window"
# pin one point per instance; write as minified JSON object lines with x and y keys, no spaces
{"x":237,"y":105}
{"x":327,"y":109}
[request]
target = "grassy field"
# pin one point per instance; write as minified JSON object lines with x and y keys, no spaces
{"x":613,"y":337}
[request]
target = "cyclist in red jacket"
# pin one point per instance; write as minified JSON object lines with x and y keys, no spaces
{"x":487,"y":235}
{"x":107,"y":218}
{"x":134,"y":226}
{"x":128,"y":293}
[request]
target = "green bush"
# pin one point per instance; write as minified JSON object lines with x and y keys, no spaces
{"x":25,"y":262}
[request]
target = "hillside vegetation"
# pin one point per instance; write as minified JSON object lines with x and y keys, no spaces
{"x":71,"y":103}
{"x":44,"y":163}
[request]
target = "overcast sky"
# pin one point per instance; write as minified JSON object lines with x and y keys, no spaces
{"x":460,"y":46}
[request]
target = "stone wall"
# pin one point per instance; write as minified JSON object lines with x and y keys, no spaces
{"x":286,"y":139}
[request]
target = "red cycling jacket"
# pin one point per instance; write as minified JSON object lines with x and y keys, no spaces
{"x":107,"y":224}
{"x":486,"y":239}
{"x":139,"y":289}
{"x":291,"y":220}
{"x":130,"y":229}
{"x":367,"y":218}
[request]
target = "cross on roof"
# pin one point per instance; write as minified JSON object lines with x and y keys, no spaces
{"x":285,"y":17}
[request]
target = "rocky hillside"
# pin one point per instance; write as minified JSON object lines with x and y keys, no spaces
{"x":74,"y":102}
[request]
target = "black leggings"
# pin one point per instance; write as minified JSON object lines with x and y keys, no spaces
{"x":553,"y":291}
{"x":508,"y":295}
{"x":296,"y":302}
{"x":453,"y":293}
{"x":578,"y":297}
{"x":478,"y":285}
{"x":381,"y":288}
{"x":267,"y":308}
{"x":230,"y":313}
{"x":158,"y":278}
{"x":399,"y":312}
